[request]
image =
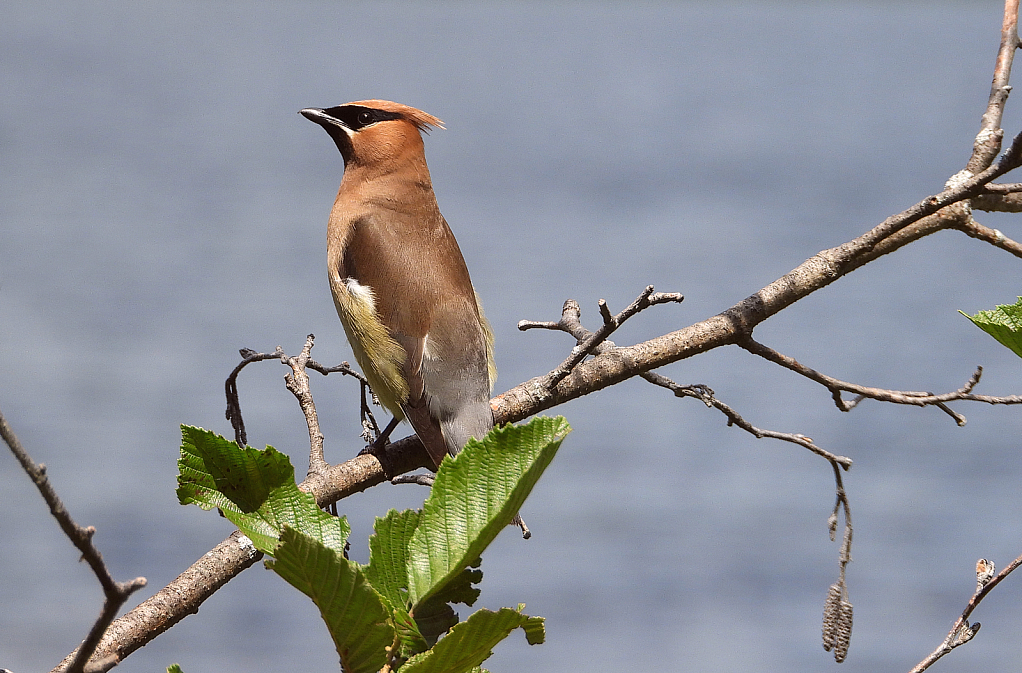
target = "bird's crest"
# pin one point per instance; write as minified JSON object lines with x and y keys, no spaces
{"x":422,"y":120}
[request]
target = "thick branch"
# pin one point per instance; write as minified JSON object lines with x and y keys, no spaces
{"x":177,"y":600}
{"x":729,"y":327}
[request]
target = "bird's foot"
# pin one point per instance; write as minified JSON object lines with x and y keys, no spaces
{"x":380,"y":442}
{"x":420,"y":479}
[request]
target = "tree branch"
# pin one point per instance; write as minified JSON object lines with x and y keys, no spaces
{"x":915,"y":398}
{"x":962,"y":632}
{"x":590,"y":341}
{"x":249,"y":356}
{"x":998,"y":203}
{"x":988,"y":140}
{"x":605,"y":369}
{"x":531,"y":397}
{"x":298,"y":383}
{"x":115,"y":594}
{"x":974,"y":229}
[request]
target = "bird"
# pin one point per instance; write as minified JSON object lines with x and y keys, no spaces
{"x":400,"y":282}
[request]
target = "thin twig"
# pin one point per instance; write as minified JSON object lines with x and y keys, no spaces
{"x":233,"y":412}
{"x":962,"y":632}
{"x":571,"y":323}
{"x":298,"y":383}
{"x":115,"y":594}
{"x":706,"y":395}
{"x":370,"y":428}
{"x":988,"y":140}
{"x":837,"y":620}
{"x":249,"y":356}
{"x":592,"y":341}
{"x":914,"y":398}
{"x":837,"y":608}
{"x":994,"y":237}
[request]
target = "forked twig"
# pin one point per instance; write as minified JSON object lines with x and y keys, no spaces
{"x":910,"y":397}
{"x":589,"y":345}
{"x":115,"y":594}
{"x":249,"y":356}
{"x":837,"y":617}
{"x":706,"y":395}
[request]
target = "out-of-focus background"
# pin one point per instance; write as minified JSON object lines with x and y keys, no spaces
{"x":162,"y":204}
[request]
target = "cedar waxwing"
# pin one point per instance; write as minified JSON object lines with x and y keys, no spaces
{"x":399,"y":281}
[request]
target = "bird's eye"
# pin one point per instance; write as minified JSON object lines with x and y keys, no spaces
{"x":365,"y":118}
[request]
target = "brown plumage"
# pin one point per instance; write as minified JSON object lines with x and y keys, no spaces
{"x":399,"y":281}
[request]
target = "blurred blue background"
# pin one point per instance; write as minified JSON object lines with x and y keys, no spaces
{"x":162,"y":204}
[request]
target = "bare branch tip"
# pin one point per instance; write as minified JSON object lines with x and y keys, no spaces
{"x":524,"y":325}
{"x":666,"y":297}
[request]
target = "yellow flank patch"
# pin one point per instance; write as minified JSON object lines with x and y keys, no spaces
{"x":377,"y":353}
{"x":491,"y":365}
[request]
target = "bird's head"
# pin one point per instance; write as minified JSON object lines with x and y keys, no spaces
{"x":372,"y":132}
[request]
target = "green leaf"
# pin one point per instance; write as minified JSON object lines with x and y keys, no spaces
{"x":357,"y":617}
{"x":243,"y":476}
{"x":1003,"y":323}
{"x":387,"y":570}
{"x":173,"y":668}
{"x":434,"y":616}
{"x":410,"y":640}
{"x":471,"y":642}
{"x":254,"y":489}
{"x":195,"y":483}
{"x":475,"y":496}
